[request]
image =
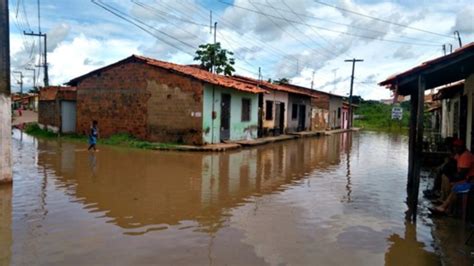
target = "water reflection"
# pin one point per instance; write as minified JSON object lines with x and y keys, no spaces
{"x":333,"y":200}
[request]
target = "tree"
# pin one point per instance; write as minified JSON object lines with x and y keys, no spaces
{"x":282,"y":81}
{"x":213,"y":55}
{"x":34,"y":90}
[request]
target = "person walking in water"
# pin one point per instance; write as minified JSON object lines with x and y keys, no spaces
{"x":93,"y":135}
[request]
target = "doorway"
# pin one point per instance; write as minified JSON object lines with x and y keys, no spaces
{"x":302,"y":118}
{"x":279,"y":118}
{"x":225,"y":117}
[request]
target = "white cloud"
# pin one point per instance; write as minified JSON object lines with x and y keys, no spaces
{"x":465,"y":20}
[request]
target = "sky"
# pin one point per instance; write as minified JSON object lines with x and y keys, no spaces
{"x":306,"y":41}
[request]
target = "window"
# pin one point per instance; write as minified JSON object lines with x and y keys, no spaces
{"x":246,"y":109}
{"x":294,"y":111}
{"x":269,"y":110}
{"x":339,"y":112}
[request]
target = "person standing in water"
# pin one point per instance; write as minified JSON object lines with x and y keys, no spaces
{"x":93,"y":135}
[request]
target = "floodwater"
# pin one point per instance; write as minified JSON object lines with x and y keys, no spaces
{"x":336,"y":200}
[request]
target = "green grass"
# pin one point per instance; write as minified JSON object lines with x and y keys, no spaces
{"x":124,"y":140}
{"x":378,"y":116}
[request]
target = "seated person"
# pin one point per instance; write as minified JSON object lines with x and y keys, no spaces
{"x":462,"y":181}
{"x":446,"y":169}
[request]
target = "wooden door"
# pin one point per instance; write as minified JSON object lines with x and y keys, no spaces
{"x":225,"y":117}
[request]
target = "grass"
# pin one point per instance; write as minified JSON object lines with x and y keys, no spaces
{"x":124,"y":140}
{"x":378,"y":116}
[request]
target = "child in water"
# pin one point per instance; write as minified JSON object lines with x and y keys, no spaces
{"x":93,"y":135}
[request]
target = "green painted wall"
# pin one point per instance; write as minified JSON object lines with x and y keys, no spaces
{"x":238,"y":130}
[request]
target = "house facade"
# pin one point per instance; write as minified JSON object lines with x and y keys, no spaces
{"x":165,"y":102}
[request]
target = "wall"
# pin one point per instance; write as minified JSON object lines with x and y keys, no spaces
{"x":469,"y":91}
{"x":145,"y":101}
{"x":320,"y":112}
{"x":292,"y":125}
{"x":275,"y":96}
{"x":334,"y":104}
{"x":238,"y":130}
{"x":47,"y":113}
{"x":5,"y":138}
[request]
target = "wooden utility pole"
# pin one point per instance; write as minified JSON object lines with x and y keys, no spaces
{"x":5,"y":100}
{"x":352,"y":86}
{"x":45,"y":54}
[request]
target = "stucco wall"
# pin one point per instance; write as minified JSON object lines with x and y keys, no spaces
{"x":447,"y":121}
{"x":292,"y":124}
{"x":334,"y":104}
{"x":238,"y":130}
{"x":469,"y":91}
{"x":274,"y":96}
{"x":5,"y":139}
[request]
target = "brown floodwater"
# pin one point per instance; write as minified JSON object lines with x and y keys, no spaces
{"x":337,"y":200}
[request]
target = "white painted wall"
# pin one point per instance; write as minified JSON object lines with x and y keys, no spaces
{"x":5,"y":139}
{"x":447,"y":120}
{"x":469,"y":91}
{"x":275,"y":96}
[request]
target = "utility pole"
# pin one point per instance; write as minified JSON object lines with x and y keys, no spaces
{"x":20,"y":83}
{"x":34,"y":75}
{"x":444,"y":49}
{"x":352,"y":86}
{"x":312,"y":81}
{"x":5,"y":100}
{"x":456,"y":34}
{"x":215,"y":50}
{"x":45,"y":54}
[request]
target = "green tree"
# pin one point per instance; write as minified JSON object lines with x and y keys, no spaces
{"x":214,"y":55}
{"x":282,"y":81}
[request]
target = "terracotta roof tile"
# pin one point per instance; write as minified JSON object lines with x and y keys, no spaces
{"x":187,"y":70}
{"x":270,"y":86}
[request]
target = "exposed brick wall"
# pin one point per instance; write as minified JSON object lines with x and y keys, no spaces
{"x":47,"y":113}
{"x":322,"y":100}
{"x":142,"y":100}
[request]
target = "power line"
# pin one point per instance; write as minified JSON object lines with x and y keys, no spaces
{"x":326,"y":29}
{"x":381,"y":20}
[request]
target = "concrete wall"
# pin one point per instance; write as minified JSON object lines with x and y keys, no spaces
{"x":335,"y":103}
{"x":275,"y":96}
{"x":5,"y":138}
{"x":145,"y":101}
{"x":469,"y":91}
{"x":320,"y":112}
{"x":238,"y":130}
{"x":292,"y":124}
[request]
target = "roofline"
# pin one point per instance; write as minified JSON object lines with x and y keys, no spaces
{"x":312,"y":90}
{"x":425,"y":65}
{"x":270,"y":86}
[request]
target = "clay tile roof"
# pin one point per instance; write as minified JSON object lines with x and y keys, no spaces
{"x":449,"y":90}
{"x":186,"y":70}
{"x":203,"y":75}
{"x":270,"y":86}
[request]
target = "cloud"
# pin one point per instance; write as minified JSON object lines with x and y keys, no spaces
{"x":465,"y":20}
{"x":57,"y":35}
{"x":404,"y":52}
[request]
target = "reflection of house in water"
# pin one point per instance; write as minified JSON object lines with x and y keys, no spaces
{"x":140,"y":188}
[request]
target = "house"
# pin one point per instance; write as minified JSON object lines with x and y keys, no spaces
{"x":57,"y":109}
{"x":275,"y":106}
{"x":443,"y":70}
{"x":165,"y":102}
{"x":326,"y":108}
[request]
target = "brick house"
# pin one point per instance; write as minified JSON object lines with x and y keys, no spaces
{"x":56,"y":109}
{"x":165,"y":102}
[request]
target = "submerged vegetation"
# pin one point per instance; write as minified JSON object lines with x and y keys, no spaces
{"x":122,"y":139}
{"x":374,"y":115}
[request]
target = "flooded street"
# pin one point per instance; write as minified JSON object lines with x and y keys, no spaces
{"x":336,"y":200}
